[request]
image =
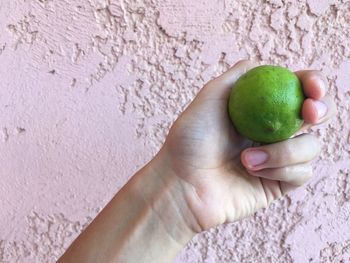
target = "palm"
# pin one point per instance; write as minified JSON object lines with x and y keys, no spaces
{"x":205,"y":150}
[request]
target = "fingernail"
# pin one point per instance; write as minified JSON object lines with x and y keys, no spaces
{"x":322,"y":86}
{"x":256,"y":157}
{"x":321,"y":108}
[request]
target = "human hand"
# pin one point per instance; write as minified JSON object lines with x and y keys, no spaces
{"x":205,"y":175}
{"x":222,"y":177}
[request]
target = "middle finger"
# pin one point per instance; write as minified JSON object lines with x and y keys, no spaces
{"x":300,"y":149}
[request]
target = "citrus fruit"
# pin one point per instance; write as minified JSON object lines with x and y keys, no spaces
{"x":265,"y":104}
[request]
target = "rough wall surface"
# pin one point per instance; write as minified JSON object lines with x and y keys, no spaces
{"x":88,"y":89}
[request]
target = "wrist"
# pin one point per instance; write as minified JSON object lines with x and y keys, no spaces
{"x":164,"y":193}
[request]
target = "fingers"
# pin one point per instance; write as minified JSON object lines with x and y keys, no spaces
{"x":318,"y":111}
{"x":280,"y":181}
{"x":300,"y":149}
{"x":295,"y":175}
{"x":220,"y":87}
{"x":318,"y":107}
{"x":285,"y":163}
{"x":314,"y":83}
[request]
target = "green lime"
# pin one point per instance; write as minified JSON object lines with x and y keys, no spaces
{"x":265,"y":104}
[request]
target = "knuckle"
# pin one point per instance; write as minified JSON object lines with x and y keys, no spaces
{"x":306,"y":137}
{"x":307,"y":174}
{"x":281,"y":154}
{"x":312,"y":74}
{"x":246,"y":64}
{"x":210,"y":84}
{"x":207,"y":85}
{"x":315,"y":143}
{"x":304,"y":175}
{"x":332,"y":106}
{"x":282,"y":174}
{"x":286,"y":171}
{"x":316,"y":72}
{"x":310,"y":144}
{"x":286,"y":153}
{"x":318,"y":148}
{"x":243,"y":62}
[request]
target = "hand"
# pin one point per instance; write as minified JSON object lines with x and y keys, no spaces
{"x":222,"y":177}
{"x":204,"y":175}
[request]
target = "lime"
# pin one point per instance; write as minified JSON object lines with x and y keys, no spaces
{"x":265,"y":104}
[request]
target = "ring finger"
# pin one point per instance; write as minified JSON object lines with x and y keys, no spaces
{"x":295,"y":175}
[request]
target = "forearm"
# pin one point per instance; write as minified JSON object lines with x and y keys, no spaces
{"x":142,"y":223}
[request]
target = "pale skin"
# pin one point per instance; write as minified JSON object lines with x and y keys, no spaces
{"x":204,"y":175}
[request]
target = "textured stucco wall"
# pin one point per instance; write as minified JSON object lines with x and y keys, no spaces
{"x":88,"y":89}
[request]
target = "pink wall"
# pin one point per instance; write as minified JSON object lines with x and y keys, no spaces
{"x":89,"y":88}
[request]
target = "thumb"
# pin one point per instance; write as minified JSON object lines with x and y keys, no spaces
{"x":220,"y":87}
{"x":216,"y":90}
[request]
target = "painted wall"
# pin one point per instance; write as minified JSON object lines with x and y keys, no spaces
{"x":88,"y":89}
